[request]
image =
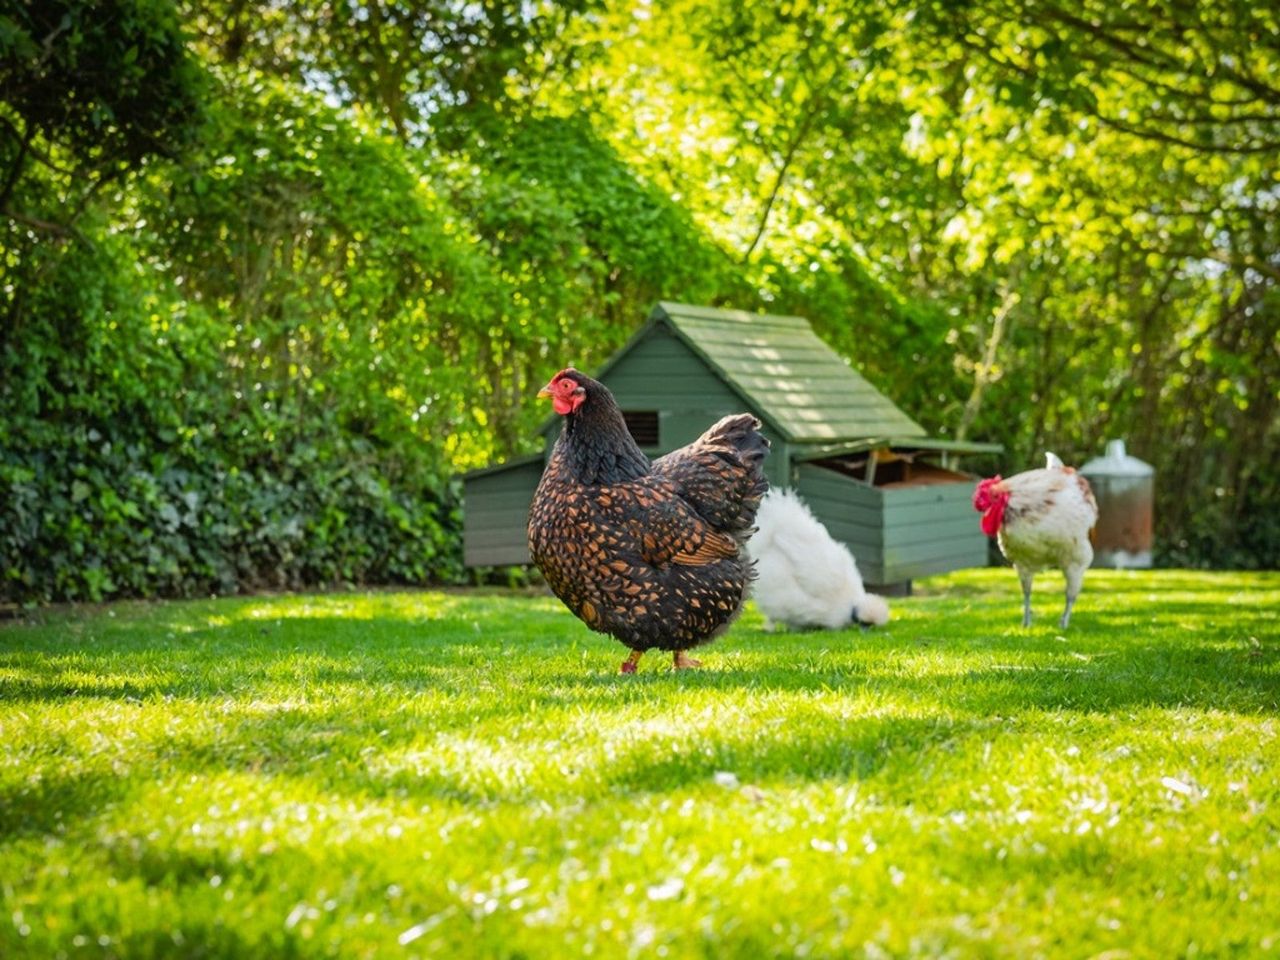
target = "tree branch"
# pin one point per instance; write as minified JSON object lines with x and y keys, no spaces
{"x":63,"y":231}
{"x":19,"y":161}
{"x":982,"y":375}
{"x":801,"y":132}
{"x":1148,"y":134}
{"x":1157,"y":58}
{"x":988,"y":51}
{"x":32,"y":149}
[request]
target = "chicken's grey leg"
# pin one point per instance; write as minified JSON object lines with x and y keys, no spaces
{"x":1026,"y":577}
{"x":1075,"y":579}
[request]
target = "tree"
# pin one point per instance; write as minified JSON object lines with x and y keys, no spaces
{"x":415,"y":65}
{"x":91,"y":91}
{"x":1067,"y":217}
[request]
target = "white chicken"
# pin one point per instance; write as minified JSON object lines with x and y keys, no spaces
{"x":804,"y":577}
{"x":1041,"y":519}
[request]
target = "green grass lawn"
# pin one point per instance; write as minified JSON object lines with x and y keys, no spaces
{"x":466,"y":774}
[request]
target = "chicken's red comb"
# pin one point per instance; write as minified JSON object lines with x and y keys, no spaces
{"x":982,"y":497}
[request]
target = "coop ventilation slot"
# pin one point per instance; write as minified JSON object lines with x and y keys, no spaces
{"x":643,"y":425}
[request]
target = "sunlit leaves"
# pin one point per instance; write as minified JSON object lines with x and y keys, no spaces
{"x":1102,"y":162}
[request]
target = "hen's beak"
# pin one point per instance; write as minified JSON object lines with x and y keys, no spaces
{"x":545,"y":391}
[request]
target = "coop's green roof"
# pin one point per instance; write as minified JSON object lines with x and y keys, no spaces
{"x":787,"y":374}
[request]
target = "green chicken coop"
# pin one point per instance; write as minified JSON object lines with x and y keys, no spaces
{"x":867,"y":470}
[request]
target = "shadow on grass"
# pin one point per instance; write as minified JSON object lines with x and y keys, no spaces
{"x":58,"y":799}
{"x":350,"y":760}
{"x":1139,"y":582}
{"x":1091,"y":666}
{"x":317,"y":697}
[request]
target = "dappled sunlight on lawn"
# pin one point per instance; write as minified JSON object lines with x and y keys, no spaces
{"x":1108,"y":582}
{"x":394,"y":762}
{"x":410,"y":607}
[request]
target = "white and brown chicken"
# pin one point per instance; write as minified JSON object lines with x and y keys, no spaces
{"x":1041,"y":519}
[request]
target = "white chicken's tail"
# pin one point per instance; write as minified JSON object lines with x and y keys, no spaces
{"x":873,"y":610}
{"x":1052,"y":462}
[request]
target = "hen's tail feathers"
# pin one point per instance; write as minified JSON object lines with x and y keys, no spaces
{"x":742,"y":433}
{"x":1052,"y":462}
{"x":721,"y":474}
{"x":873,"y":610}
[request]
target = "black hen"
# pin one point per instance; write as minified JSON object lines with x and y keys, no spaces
{"x":650,"y":553}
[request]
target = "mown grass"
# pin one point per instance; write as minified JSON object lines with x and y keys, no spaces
{"x":465,"y":774}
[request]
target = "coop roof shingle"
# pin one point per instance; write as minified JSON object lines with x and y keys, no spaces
{"x":787,"y":374}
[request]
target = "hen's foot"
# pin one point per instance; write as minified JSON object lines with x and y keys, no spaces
{"x":685,"y":662}
{"x":629,"y":665}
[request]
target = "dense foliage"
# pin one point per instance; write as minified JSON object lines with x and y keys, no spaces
{"x":272,"y":275}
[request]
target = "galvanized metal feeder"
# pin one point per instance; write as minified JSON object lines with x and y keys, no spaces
{"x":1125,"y":490}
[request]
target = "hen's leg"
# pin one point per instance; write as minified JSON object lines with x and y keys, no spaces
{"x":1075,"y":580}
{"x":1026,"y":577}
{"x":629,"y":664}
{"x":684,"y":661}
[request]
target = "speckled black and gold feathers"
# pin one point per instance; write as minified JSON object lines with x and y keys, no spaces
{"x":649,"y":553}
{"x":720,"y":475}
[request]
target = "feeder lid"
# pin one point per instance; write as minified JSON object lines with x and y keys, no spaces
{"x":1117,"y":463}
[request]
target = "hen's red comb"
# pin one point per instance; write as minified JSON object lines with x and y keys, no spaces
{"x":982,"y":497}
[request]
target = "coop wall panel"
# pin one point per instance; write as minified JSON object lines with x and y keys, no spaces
{"x":900,"y":555}
{"x":935,"y":526}
{"x":961,"y":559}
{"x":496,"y":514}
